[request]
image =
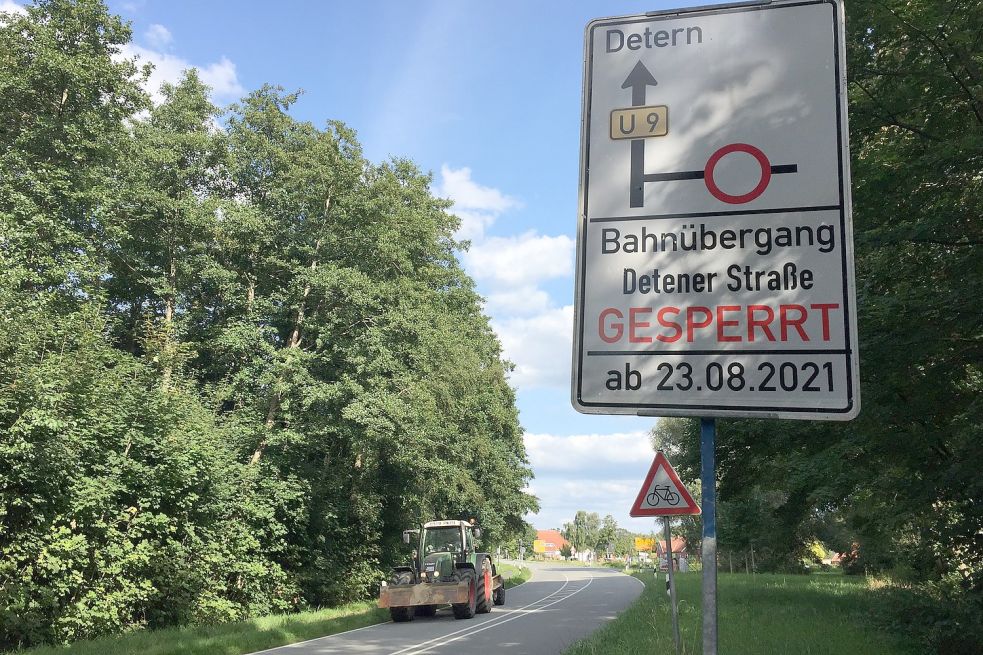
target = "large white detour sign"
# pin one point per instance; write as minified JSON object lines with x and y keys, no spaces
{"x":715,"y":251}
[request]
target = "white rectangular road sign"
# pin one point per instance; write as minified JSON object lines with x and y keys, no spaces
{"x":715,"y":250}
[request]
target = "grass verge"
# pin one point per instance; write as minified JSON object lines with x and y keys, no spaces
{"x":246,"y":636}
{"x":757,"y":615}
{"x":229,"y":638}
{"x":512,"y":575}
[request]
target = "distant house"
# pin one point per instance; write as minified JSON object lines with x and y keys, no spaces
{"x":549,"y":543}
{"x":678,"y":547}
{"x":680,"y":556}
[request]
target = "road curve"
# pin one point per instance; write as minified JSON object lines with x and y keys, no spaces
{"x":558,"y":606}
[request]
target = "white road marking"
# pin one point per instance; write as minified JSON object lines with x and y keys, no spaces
{"x":307,"y":641}
{"x":495,"y":619}
{"x":485,"y":626}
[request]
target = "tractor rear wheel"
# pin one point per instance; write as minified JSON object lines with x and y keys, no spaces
{"x":402,"y":614}
{"x":484,"y":587}
{"x":466,"y":610}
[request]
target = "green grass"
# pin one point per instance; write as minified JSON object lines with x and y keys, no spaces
{"x":246,"y":636}
{"x":757,"y":615}
{"x":229,"y":638}
{"x":513,"y":576}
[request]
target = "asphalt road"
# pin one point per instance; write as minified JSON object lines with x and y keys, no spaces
{"x":558,"y":606}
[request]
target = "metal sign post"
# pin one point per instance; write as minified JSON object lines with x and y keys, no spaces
{"x":672,"y":587}
{"x":708,"y":477}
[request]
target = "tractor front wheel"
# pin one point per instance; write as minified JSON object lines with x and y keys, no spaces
{"x":402,"y":614}
{"x":466,"y":610}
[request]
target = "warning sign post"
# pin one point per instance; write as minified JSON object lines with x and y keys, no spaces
{"x":715,"y":251}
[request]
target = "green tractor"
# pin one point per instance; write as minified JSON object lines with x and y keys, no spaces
{"x":445,"y":569}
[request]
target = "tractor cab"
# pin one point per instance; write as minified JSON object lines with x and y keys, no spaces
{"x":442,"y":545}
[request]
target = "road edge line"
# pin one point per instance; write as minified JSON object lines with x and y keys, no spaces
{"x":493,"y":620}
{"x":486,"y":625}
{"x":307,"y":641}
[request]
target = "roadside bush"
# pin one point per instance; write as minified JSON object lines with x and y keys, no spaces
{"x":119,"y":505}
{"x":942,"y":617}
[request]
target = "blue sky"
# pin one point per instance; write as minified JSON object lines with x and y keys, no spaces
{"x":487,"y":96}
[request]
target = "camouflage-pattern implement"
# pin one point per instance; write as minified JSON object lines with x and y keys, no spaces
{"x":428,"y":593}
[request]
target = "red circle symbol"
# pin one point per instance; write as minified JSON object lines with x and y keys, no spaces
{"x":750,"y":195}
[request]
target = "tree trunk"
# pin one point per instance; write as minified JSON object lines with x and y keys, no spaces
{"x":269,"y":423}
{"x":169,"y":298}
{"x":296,"y":335}
{"x":169,"y":302}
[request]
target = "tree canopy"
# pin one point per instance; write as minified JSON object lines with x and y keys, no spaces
{"x":237,"y":359}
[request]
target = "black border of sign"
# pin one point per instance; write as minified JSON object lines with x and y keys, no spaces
{"x":848,"y":352}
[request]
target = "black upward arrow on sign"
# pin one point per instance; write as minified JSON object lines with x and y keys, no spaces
{"x":639,"y":79}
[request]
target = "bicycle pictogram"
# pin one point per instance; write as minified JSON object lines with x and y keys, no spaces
{"x":662,"y":492}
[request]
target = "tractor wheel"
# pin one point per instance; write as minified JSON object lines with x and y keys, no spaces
{"x":402,"y":614}
{"x":466,"y":610}
{"x":499,"y":595}
{"x":426,"y":610}
{"x":484,"y":590}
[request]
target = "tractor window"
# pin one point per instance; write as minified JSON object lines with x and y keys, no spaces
{"x":442,"y":540}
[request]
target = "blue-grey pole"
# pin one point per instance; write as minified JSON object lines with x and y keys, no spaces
{"x":671,"y":584}
{"x":708,"y":476}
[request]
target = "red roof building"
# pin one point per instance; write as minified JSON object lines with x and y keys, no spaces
{"x":552,"y":540}
{"x":678,"y":547}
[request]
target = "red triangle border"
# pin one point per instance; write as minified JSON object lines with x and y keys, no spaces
{"x":691,"y":506}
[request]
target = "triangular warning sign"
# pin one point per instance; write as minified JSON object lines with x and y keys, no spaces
{"x":662,"y":493}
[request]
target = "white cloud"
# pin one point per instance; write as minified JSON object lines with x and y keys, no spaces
{"x":158,"y":36}
{"x":534,"y":332}
{"x":477,"y":206}
{"x":589,"y":452}
{"x":592,"y":472}
{"x":10,"y":7}
{"x":519,"y":301}
{"x":539,"y":346}
{"x":220,"y":76}
{"x":561,"y":499}
{"x":521,"y":260}
{"x":473,"y":224}
{"x":468,"y":194}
